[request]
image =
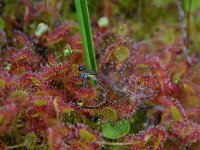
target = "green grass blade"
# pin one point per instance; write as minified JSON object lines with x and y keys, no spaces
{"x":85,"y":29}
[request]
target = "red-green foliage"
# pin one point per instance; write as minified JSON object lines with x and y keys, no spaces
{"x":41,"y":94}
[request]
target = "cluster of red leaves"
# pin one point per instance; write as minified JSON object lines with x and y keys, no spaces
{"x":43,"y":91}
{"x":174,"y":82}
{"x":153,"y":138}
{"x":73,"y":137}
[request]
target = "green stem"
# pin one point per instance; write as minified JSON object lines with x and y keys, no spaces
{"x":86,"y":34}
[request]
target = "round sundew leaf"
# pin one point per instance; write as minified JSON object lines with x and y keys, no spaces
{"x":2,"y":24}
{"x":117,"y":130}
{"x":18,"y":94}
{"x":109,"y":113}
{"x":121,"y":53}
{"x":86,"y":135}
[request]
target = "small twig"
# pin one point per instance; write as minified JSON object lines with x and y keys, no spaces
{"x":183,"y":30}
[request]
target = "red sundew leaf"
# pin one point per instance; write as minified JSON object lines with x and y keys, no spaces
{"x":73,"y":137}
{"x":124,"y":109}
{"x":8,"y":113}
{"x":46,"y":8}
{"x":114,"y":56}
{"x":61,"y":107}
{"x":23,"y":59}
{"x":32,"y":12}
{"x":29,"y":81}
{"x":166,"y":85}
{"x":52,"y":60}
{"x":173,"y":109}
{"x":36,"y":124}
{"x":56,"y":73}
{"x":10,"y":84}
{"x":86,"y":112}
{"x":87,"y":95}
{"x":59,"y":34}
{"x":20,"y":97}
{"x":153,"y":138}
{"x":75,"y":42}
{"x":144,"y":79}
{"x":55,"y":138}
{"x":40,"y":115}
{"x":22,"y":38}
{"x":157,"y":73}
{"x":42,"y":105}
{"x":46,"y":90}
{"x":187,"y":132}
{"x":35,"y":11}
{"x":177,"y":68}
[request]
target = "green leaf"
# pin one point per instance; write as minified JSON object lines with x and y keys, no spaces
{"x":2,"y":24}
{"x":85,"y":29}
{"x":175,"y":114}
{"x":117,"y":130}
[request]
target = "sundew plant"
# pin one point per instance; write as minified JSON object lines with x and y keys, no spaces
{"x":99,"y":75}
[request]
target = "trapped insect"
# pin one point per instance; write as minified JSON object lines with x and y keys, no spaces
{"x":86,"y":75}
{"x":121,"y":88}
